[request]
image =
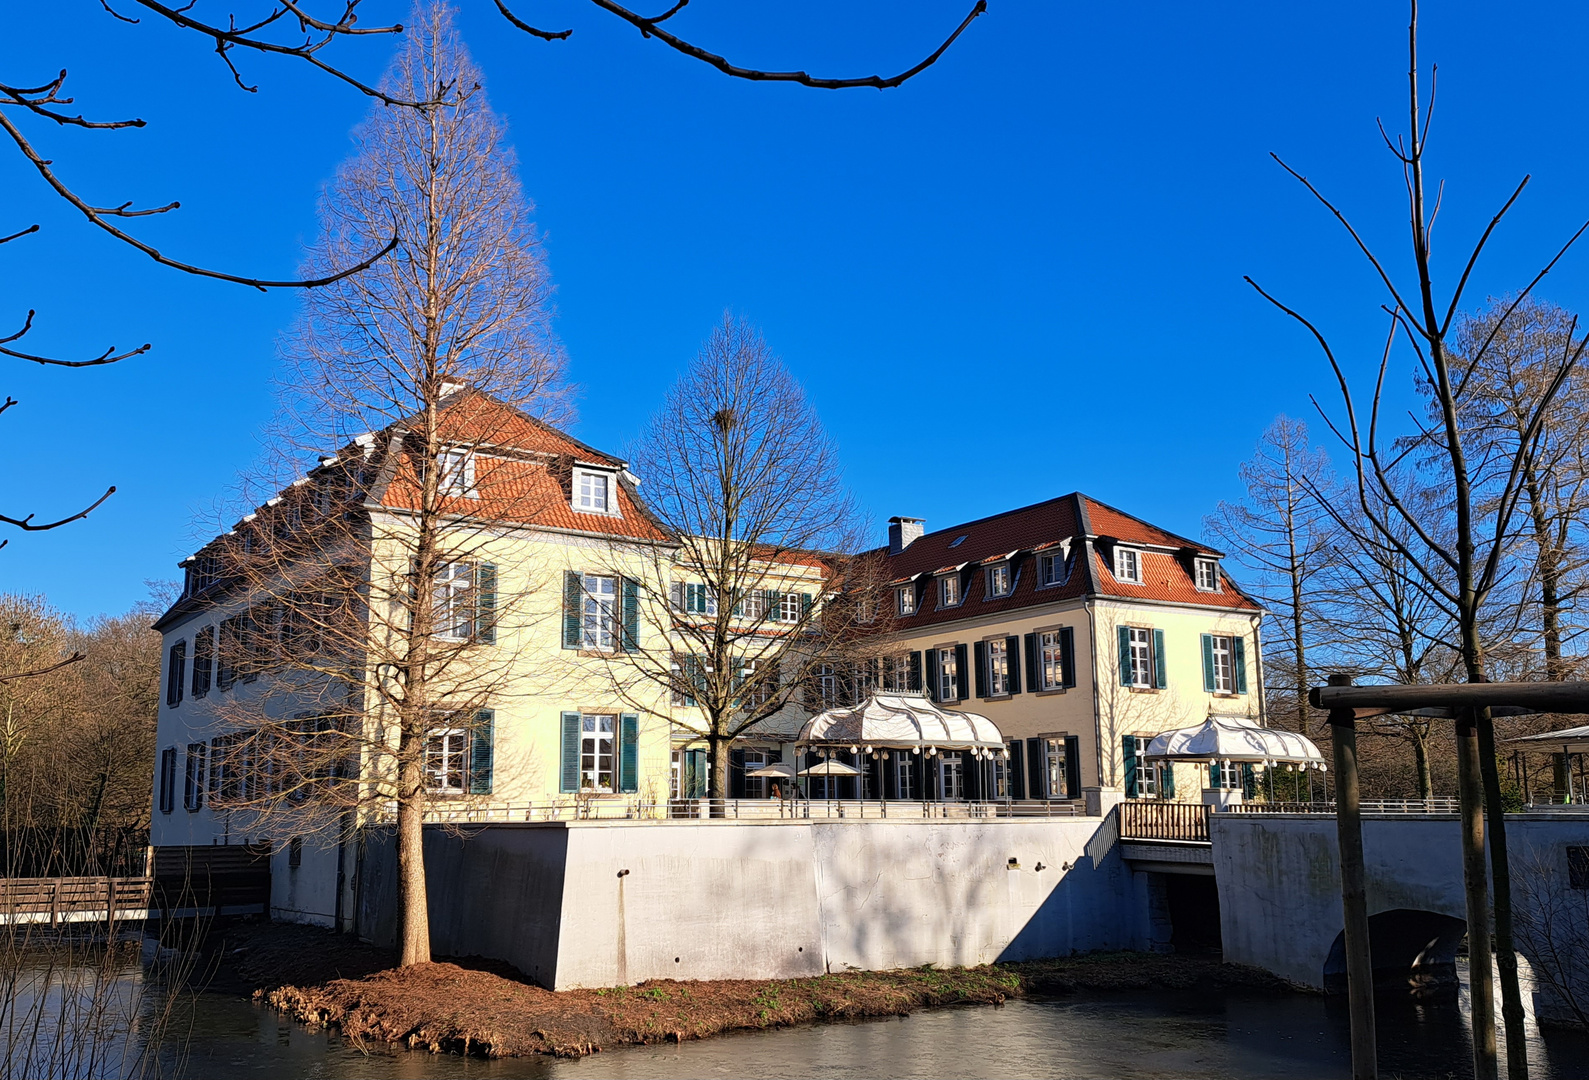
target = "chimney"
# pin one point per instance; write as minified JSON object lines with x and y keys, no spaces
{"x":903,"y":530}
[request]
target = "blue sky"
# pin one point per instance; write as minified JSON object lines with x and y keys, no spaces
{"x":1017,"y":276}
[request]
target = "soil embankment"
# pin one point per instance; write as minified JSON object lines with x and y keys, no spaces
{"x":485,"y":1008}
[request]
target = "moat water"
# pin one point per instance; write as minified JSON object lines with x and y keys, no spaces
{"x":1126,"y":1035}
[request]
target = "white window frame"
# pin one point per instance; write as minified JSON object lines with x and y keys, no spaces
{"x":1132,"y":557}
{"x":997,"y":572}
{"x":586,"y":501}
{"x":453,"y":586}
{"x":1054,"y":768}
{"x":1209,"y":567}
{"x":756,"y":758}
{"x":789,"y":607}
{"x":949,"y":594}
{"x":905,"y":597}
{"x":948,"y":675}
{"x":951,"y":774}
{"x":1141,"y":658}
{"x":1051,"y":570}
{"x":1050,"y":660}
{"x":998,"y":653}
{"x":446,"y":756}
{"x":598,"y":745}
{"x":904,"y":775}
{"x":896,"y":673}
{"x":455,"y":473}
{"x":828,"y":685}
{"x":1147,"y":771}
{"x":1001,"y":777}
{"x":753,"y":605}
{"x":1222,"y":649}
{"x":598,"y":612}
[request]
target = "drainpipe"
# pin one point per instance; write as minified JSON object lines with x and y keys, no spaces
{"x":1097,"y":705}
{"x":1257,"y":659}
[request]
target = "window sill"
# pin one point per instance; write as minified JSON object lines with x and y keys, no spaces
{"x":1144,"y":689}
{"x":602,"y":654}
{"x":1052,"y":584}
{"x":1226,"y":694}
{"x":1052,"y":692}
{"x":998,"y":697}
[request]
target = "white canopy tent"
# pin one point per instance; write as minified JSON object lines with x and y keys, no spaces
{"x":1236,"y":739}
{"x":901,"y":722}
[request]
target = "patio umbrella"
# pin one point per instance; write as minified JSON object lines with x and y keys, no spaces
{"x":830,"y":768}
{"x":780,"y":770}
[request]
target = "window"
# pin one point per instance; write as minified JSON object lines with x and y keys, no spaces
{"x":1054,"y":770}
{"x":755,"y":786}
{"x":906,"y":596}
{"x":1128,"y":565}
{"x":791,"y":606}
{"x":948,"y":675}
{"x":999,"y":580}
{"x":753,"y":605}
{"x":759,"y":681}
{"x":896,"y":672}
{"x":1141,"y":658}
{"x":1001,"y":777}
{"x":1222,"y":654}
{"x":998,"y":667}
{"x":599,"y":621}
{"x":1050,"y":660}
{"x":699,"y":600}
{"x":1207,"y":575}
{"x":949,"y":590}
{"x":295,"y":853}
{"x":951,"y":777}
{"x":176,"y":673}
{"x":591,"y":493}
{"x":1578,"y":867}
{"x":203,"y":660}
{"x":454,"y":601}
{"x":865,"y":611}
{"x":596,"y":759}
{"x":905,"y":774}
{"x":1222,"y":776}
{"x":168,"y":779}
{"x":445,"y":763}
{"x":193,"y":786}
{"x":229,"y":649}
{"x":828,"y":683}
{"x":455,"y":473}
{"x":1051,"y":569}
{"x":1147,"y":772}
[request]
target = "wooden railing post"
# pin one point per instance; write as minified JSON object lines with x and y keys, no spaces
{"x":55,"y":904}
{"x":1354,"y":895}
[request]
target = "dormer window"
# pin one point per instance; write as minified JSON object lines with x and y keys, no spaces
{"x":905,"y":598}
{"x":455,"y":475}
{"x":949,"y":590}
{"x":1207,"y":575}
{"x":592,"y":492}
{"x":1051,"y":569}
{"x":999,"y":581}
{"x":1128,"y":565}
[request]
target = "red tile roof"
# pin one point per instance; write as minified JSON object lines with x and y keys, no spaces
{"x":1167,"y":575}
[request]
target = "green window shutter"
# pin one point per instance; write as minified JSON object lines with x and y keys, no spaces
{"x":1034,"y":670}
{"x":933,"y":684}
{"x":805,"y":607}
{"x":1067,"y":655}
{"x":482,"y":751}
{"x":773,"y":600}
{"x":1125,"y":656}
{"x":1072,"y":766}
{"x":1239,"y":648}
{"x":486,"y":603}
{"x":1036,"y":770}
{"x":631,"y":615}
{"x":915,"y":672}
{"x":694,"y":598}
{"x":1012,"y":646}
{"x":1208,"y":663}
{"x":980,"y":649}
{"x":570,"y":752}
{"x":1159,"y":680}
{"x":1128,"y":762}
{"x":1167,"y":780}
{"x":1249,"y":781}
{"x":629,"y":754}
{"x":964,"y":684}
{"x":573,"y":602}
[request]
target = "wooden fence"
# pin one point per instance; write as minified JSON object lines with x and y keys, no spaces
{"x":73,"y":899}
{"x":1145,"y":820}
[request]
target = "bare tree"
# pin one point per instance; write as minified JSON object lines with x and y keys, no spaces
{"x":373,"y":592}
{"x":760,"y":581}
{"x":1458,"y":545}
{"x":1553,"y":929}
{"x":1281,"y":534}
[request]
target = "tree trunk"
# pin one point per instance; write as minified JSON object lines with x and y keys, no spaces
{"x":1480,"y":985}
{"x":1549,"y":574}
{"x":717,"y":779}
{"x":1501,"y":873}
{"x":1420,"y":753}
{"x":413,"y":907}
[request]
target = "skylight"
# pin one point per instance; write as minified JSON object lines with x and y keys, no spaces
{"x":958,"y":541}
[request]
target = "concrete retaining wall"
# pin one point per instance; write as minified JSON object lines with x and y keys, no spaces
{"x":712,"y":900}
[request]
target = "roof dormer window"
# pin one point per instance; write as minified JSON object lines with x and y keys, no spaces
{"x":1207,"y":575}
{"x":1128,"y":566}
{"x":949,"y":590}
{"x":455,"y":473}
{"x":593,"y":492}
{"x":999,"y":580}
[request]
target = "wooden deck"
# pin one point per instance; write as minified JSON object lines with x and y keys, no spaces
{"x":1151,"y":820}
{"x":63,"y":900}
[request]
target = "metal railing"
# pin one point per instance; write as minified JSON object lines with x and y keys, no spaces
{"x":1146,"y":820}
{"x":744,"y":810}
{"x":1439,"y":805}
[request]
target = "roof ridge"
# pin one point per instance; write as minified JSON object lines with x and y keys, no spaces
{"x":1144,"y":521}
{"x":995,"y":517}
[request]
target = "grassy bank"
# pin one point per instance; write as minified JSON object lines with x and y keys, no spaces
{"x":483,"y":1008}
